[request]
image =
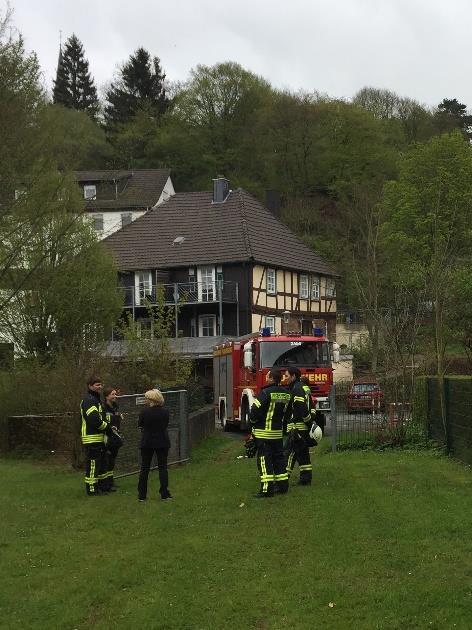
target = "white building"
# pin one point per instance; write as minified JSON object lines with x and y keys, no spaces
{"x":116,"y":198}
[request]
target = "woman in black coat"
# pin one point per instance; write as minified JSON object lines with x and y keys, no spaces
{"x":153,"y":422}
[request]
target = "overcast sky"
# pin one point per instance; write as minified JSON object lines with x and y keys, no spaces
{"x":417,"y":48}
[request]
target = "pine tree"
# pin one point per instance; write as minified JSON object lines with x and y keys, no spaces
{"x":139,"y":86}
{"x":74,"y":87}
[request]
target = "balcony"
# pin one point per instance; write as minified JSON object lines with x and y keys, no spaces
{"x":180,"y":293}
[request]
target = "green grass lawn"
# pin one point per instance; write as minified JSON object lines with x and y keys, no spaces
{"x":381,"y":540}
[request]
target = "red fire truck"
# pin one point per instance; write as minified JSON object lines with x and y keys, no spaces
{"x":240,"y":368}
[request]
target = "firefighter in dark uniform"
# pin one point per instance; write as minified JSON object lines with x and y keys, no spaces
{"x":298,"y":427}
{"x":267,"y":419}
{"x":93,"y":433}
{"x":113,"y":419}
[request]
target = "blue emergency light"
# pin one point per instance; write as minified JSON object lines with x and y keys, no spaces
{"x":265,"y":332}
{"x":317,"y":332}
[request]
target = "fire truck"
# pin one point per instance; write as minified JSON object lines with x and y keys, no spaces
{"x":240,"y":368}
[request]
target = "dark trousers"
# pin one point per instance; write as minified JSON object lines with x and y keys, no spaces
{"x":95,"y":468}
{"x":111,"y":454}
{"x":271,"y":466}
{"x":300,"y":453}
{"x":146,"y":459}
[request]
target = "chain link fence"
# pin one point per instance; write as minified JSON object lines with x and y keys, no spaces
{"x":366,"y":417}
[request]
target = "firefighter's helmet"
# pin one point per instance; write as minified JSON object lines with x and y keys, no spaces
{"x":316,"y":433}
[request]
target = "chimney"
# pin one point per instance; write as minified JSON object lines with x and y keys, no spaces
{"x":220,"y":189}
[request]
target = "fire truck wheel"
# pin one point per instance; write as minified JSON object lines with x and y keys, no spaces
{"x":244,"y":422}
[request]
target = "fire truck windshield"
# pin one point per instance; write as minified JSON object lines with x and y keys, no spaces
{"x":299,"y":353}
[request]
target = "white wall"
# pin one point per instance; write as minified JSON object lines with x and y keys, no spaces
{"x":112,"y":219}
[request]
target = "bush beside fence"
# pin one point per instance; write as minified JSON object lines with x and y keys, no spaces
{"x":454,"y":431}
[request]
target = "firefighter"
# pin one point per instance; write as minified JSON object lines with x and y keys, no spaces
{"x":267,"y":418}
{"x":113,"y":419}
{"x":298,"y":426}
{"x":93,"y":433}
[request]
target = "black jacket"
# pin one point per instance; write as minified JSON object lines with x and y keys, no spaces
{"x":112,"y":415}
{"x":268,"y":412}
{"x":298,"y":412}
{"x":93,"y":423}
{"x":153,"y":422}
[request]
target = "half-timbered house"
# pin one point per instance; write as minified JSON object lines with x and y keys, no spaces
{"x":226,"y":263}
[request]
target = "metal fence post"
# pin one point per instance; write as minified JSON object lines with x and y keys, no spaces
{"x":183,"y":424}
{"x":333,"y":418}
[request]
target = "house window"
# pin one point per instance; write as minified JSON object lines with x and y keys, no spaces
{"x":315,"y":288}
{"x":271,"y":285}
{"x":330,"y":288}
{"x":126,"y":218}
{"x":207,"y":326}
{"x":144,"y":328}
{"x":90,"y":192}
{"x":304,"y":286}
{"x":270,"y":323}
{"x":143,"y":286}
{"x":206,"y":284}
{"x":97,"y":222}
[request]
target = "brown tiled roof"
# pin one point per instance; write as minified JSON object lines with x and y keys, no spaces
{"x":239,"y":229}
{"x":137,"y":189}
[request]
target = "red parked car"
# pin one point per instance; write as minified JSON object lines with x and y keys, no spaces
{"x":365,"y":394}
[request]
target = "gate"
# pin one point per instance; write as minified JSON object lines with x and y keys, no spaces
{"x":366,"y":420}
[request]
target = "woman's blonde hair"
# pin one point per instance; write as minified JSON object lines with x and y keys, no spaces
{"x":155,"y":397}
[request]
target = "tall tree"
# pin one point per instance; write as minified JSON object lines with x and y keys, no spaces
{"x":139,"y":86}
{"x":74,"y":87}
{"x":428,"y":231}
{"x":450,"y":115}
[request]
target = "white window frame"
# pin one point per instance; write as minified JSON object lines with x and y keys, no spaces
{"x":126,"y":215}
{"x":271,"y":281}
{"x":303,"y":287}
{"x":270,"y":323}
{"x":90,"y":188}
{"x":206,"y":280}
{"x":315,"y":288}
{"x":98,"y":217}
{"x":330,"y":288}
{"x":200,"y":324}
{"x":142,"y":286}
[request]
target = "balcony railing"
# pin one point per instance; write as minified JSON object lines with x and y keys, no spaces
{"x":180,"y":293}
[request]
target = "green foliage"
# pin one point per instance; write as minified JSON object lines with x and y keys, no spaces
{"x":139,"y":86}
{"x":451,"y":115}
{"x":64,"y":291}
{"x":74,"y":87}
{"x":150,"y":361}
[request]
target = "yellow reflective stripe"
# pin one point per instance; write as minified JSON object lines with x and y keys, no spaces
{"x":88,"y":439}
{"x":92,"y":469}
{"x":268,"y":435}
{"x":257,"y":402}
{"x":269,"y":416}
{"x":301,"y":426}
{"x":281,"y":477}
{"x":306,"y":467}
{"x":299,"y":398}
{"x":290,"y":463}
{"x":91,"y":410}
{"x":102,"y":426}
{"x":290,"y":426}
